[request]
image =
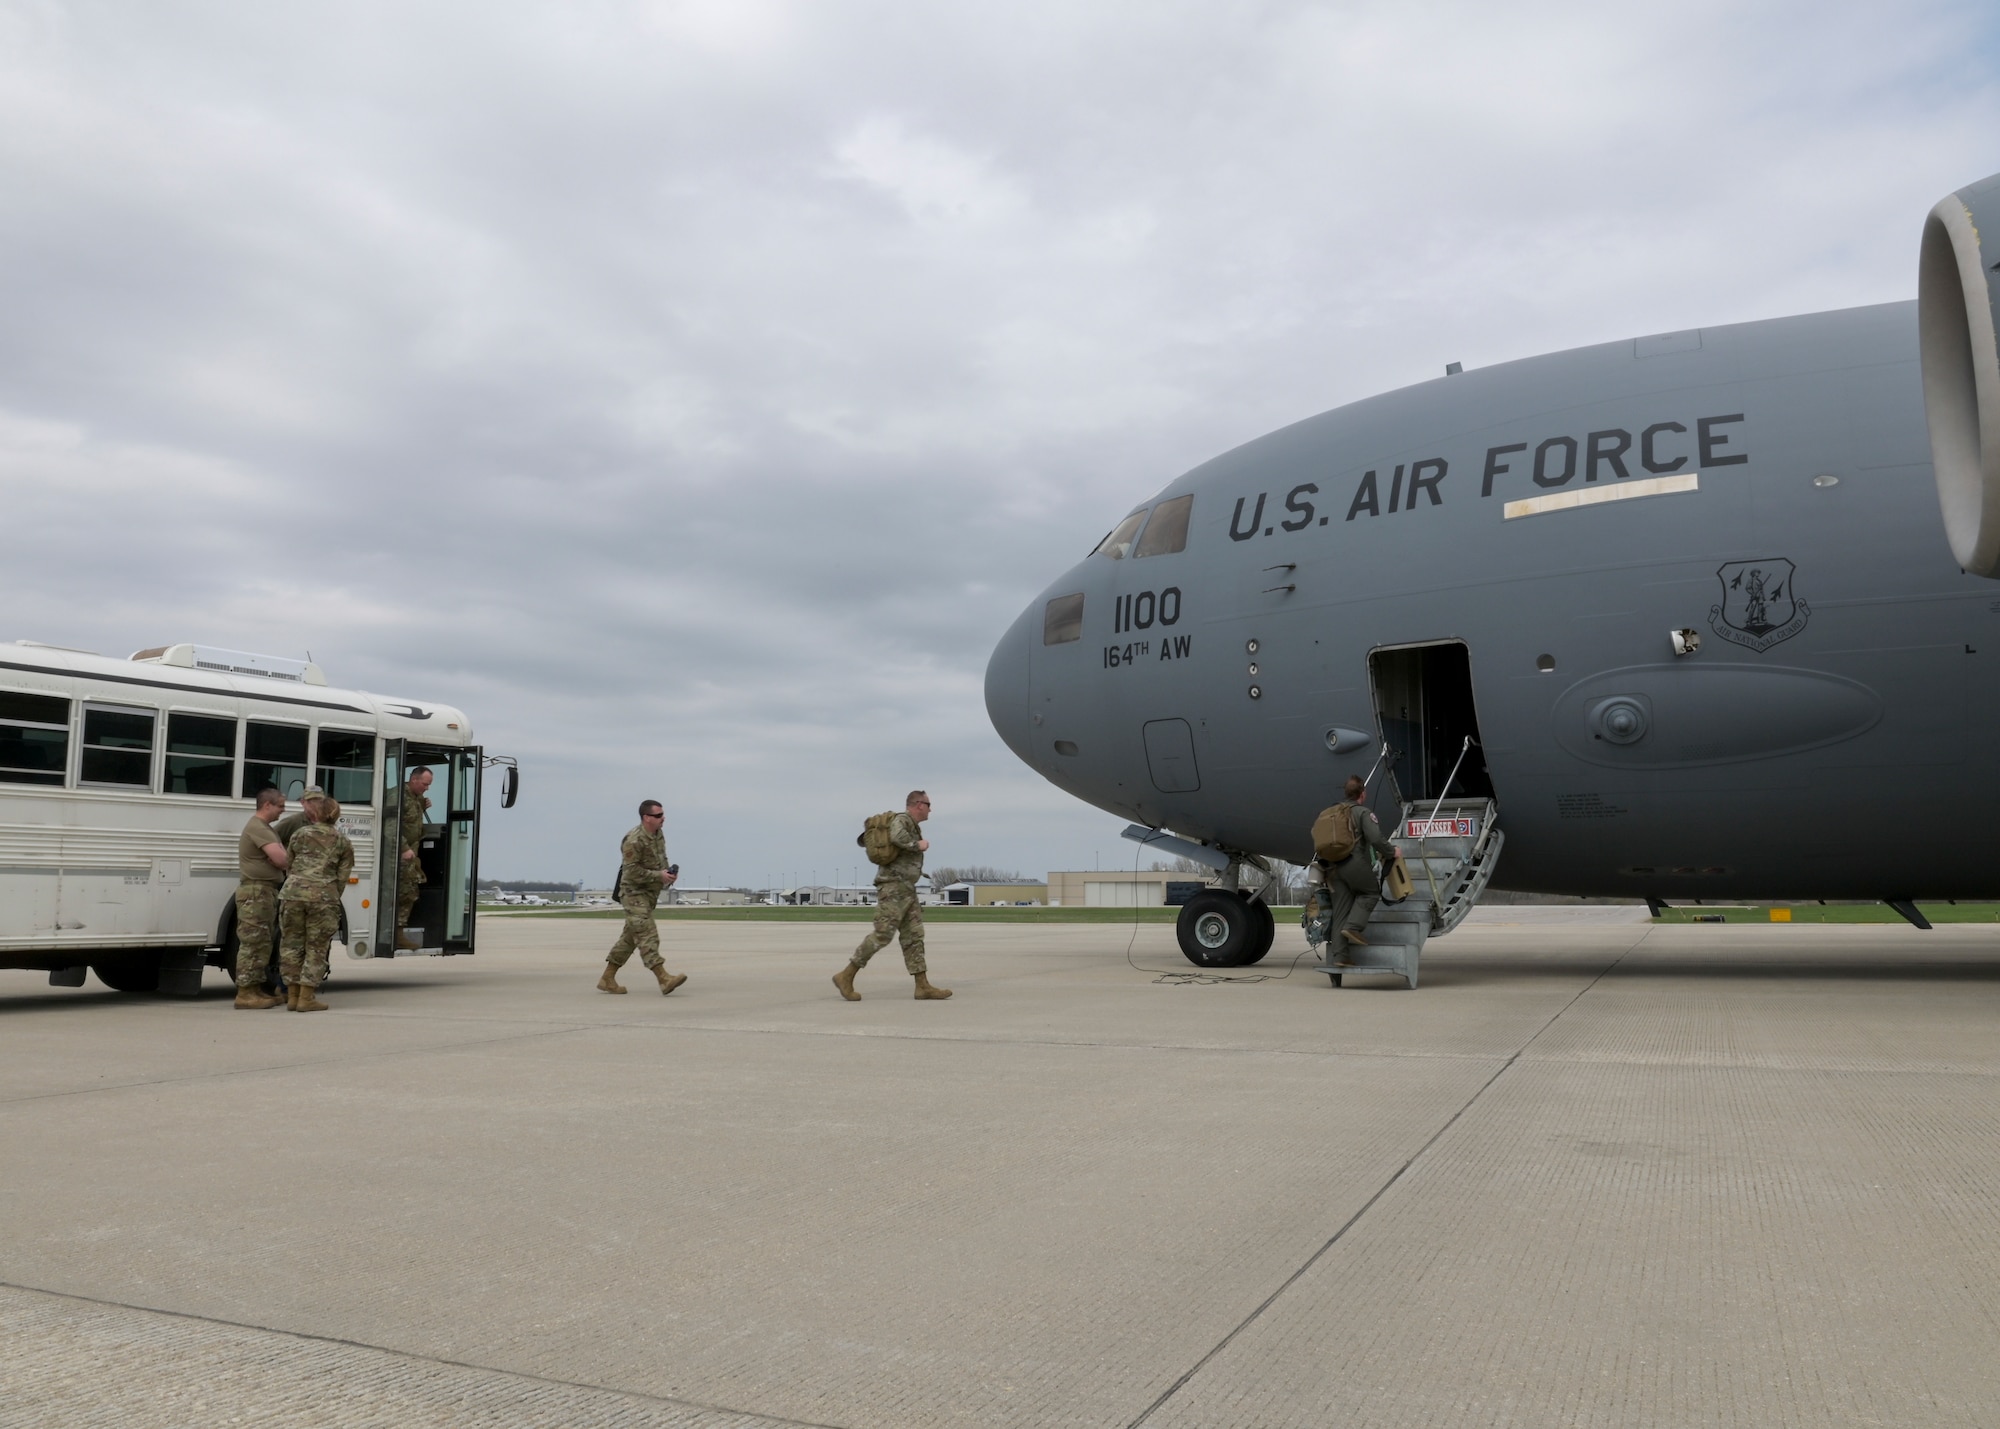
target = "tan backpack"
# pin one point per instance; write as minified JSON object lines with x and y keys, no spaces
{"x":875,"y":841}
{"x":1334,"y":838}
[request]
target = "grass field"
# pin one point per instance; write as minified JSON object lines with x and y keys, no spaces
{"x":1729,"y":913}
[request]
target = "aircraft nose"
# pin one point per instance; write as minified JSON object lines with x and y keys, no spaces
{"x":1007,"y":685}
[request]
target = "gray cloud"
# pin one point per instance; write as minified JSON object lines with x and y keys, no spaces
{"x":693,"y":392}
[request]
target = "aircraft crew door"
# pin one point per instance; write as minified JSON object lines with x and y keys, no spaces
{"x":1440,"y":811}
{"x":1423,"y":698}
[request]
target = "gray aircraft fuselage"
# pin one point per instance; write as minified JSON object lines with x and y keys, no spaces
{"x":1826,"y":740}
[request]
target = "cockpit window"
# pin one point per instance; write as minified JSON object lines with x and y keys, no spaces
{"x":1167,"y":532}
{"x":1118,"y":545}
{"x":1062,"y":622}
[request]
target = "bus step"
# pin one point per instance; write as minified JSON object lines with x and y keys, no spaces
{"x":67,"y":977}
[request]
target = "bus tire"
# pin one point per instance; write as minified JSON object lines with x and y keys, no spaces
{"x":230,"y":946}
{"x":130,"y":974}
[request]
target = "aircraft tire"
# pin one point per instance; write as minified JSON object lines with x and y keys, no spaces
{"x":129,"y":975}
{"x":1263,"y":932}
{"x":1216,"y":929}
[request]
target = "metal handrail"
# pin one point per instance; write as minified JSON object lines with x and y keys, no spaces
{"x":1429,"y":877}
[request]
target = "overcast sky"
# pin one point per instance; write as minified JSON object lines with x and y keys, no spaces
{"x":693,"y":392}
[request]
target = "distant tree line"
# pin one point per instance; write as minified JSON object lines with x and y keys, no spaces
{"x":1290,"y":877}
{"x":977,"y":873}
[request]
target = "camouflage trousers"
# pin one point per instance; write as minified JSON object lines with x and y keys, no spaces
{"x":897,"y":915}
{"x":256,"y":919}
{"x":641,"y":933}
{"x":408,"y":887}
{"x":302,"y":949}
{"x":1354,"y":890}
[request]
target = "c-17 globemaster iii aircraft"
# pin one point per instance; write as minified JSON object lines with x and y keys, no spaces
{"x":1704,"y":615}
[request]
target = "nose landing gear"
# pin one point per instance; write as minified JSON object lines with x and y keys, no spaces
{"x":1222,"y":928}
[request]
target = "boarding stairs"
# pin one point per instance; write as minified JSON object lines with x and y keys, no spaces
{"x":1450,"y":848}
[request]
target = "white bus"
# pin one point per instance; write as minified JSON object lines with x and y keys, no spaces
{"x":125,"y":784}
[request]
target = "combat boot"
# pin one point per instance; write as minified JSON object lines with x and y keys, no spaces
{"x":668,"y":981}
{"x":291,"y":997}
{"x":609,"y":982}
{"x":309,"y":999}
{"x":843,"y":982}
{"x":254,"y":997}
{"x":927,"y":993}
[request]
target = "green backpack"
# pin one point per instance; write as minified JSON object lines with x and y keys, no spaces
{"x":874,"y":839}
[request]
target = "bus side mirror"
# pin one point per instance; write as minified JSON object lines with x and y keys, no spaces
{"x":510,"y":787}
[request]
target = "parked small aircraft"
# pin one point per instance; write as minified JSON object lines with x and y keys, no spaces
{"x":1707,"y":614}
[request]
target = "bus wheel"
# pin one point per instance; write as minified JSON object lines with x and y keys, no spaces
{"x":231,"y":945}
{"x":136,"y":975}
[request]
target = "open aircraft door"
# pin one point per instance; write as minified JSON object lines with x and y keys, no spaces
{"x":1441,"y":793}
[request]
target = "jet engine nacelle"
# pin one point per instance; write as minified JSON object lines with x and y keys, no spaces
{"x":1958,"y":313}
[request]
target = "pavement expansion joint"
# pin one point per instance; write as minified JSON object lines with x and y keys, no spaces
{"x":1380,"y":1191}
{"x":742,"y":1417}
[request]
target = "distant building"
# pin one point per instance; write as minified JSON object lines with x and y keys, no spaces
{"x":708,"y":897}
{"x":826,"y":895}
{"x":989,"y":895}
{"x":1123,"y":889}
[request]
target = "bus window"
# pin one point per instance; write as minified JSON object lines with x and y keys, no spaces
{"x":34,"y":738}
{"x":118,"y":746}
{"x":347,"y":765}
{"x":201,"y":754}
{"x":1168,"y":531}
{"x":274,"y":757}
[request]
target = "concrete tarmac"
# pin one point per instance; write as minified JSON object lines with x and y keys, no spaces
{"x":1590,"y":1173}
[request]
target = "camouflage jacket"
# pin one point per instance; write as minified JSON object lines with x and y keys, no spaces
{"x":644,"y":854}
{"x":322,"y":859}
{"x":416,"y":809}
{"x":909,"y":864}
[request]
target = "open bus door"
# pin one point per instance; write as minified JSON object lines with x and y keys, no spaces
{"x":441,"y":921}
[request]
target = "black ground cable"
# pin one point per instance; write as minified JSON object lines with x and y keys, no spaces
{"x":1171,"y":978}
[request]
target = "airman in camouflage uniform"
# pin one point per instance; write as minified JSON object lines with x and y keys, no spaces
{"x":643,"y":872}
{"x":416,"y":811}
{"x":1352,"y":887}
{"x":897,"y":914}
{"x":322,"y":859}
{"x":309,"y":802}
{"x":260,"y":862}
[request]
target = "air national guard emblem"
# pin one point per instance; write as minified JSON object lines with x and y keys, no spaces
{"x":1758,"y":608}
